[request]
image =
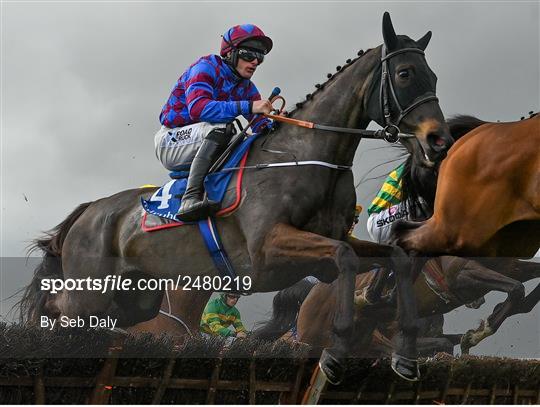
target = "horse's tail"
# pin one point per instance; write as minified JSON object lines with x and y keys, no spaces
{"x":33,"y":301}
{"x":285,"y":309}
{"x":459,"y":125}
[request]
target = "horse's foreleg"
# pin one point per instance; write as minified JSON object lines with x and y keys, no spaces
{"x":484,"y":280}
{"x":290,"y":250}
{"x":331,"y":358}
{"x":378,"y":255}
{"x":404,"y":360}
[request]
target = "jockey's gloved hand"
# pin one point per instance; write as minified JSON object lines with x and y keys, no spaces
{"x":261,"y":106}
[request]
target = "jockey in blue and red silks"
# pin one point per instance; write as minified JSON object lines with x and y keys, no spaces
{"x":211,"y":93}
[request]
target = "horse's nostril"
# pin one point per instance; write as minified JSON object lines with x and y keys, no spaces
{"x":437,"y":142}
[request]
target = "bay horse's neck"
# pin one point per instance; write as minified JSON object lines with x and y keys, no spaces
{"x":342,"y":102}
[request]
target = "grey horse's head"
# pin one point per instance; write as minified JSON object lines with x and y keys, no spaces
{"x":408,"y":96}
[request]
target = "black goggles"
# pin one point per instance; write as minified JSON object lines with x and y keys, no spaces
{"x":250,"y":55}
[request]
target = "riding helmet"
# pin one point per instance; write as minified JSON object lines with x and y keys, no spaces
{"x":246,"y":34}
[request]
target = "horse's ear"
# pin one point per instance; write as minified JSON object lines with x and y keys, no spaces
{"x":424,"y":41}
{"x":389,"y":35}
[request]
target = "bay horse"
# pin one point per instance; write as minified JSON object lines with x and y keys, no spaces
{"x":312,"y":208}
{"x":465,"y":280}
{"x":310,"y":307}
{"x":487,"y":203}
{"x":488,"y":195}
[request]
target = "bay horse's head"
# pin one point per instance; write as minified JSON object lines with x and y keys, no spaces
{"x":405,"y":95}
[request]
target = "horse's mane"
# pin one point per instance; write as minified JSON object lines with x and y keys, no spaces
{"x":462,"y":124}
{"x":320,"y":86}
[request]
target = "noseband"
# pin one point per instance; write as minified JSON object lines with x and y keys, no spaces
{"x":387,"y":88}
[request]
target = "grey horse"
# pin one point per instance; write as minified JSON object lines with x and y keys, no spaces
{"x":292,"y":221}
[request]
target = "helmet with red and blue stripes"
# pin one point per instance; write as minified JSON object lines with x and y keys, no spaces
{"x":238,"y":34}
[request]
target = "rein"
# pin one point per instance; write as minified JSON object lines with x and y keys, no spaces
{"x":391,"y":132}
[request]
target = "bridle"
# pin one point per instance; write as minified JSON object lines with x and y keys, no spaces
{"x":390,"y":132}
{"x":387,"y":87}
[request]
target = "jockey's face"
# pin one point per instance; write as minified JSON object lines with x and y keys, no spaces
{"x":248,"y":60}
{"x":231,"y":300}
{"x":246,"y":69}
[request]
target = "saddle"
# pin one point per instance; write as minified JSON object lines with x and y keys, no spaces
{"x":161,"y":208}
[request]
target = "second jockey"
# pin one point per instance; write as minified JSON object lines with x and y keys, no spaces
{"x":211,"y":93}
{"x":389,"y":206}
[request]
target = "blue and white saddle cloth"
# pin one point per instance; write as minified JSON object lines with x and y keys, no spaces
{"x":165,"y":202}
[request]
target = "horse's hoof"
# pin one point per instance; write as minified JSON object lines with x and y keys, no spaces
{"x":405,"y":368}
{"x":332,"y":367}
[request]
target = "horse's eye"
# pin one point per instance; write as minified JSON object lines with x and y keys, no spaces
{"x":404,"y":73}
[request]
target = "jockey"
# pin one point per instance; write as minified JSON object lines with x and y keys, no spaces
{"x":387,"y":207}
{"x":211,"y":93}
{"x":219,"y":314}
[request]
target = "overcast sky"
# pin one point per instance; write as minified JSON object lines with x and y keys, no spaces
{"x":82,"y":85}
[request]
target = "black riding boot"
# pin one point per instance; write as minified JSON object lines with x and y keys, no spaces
{"x":194,"y":207}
